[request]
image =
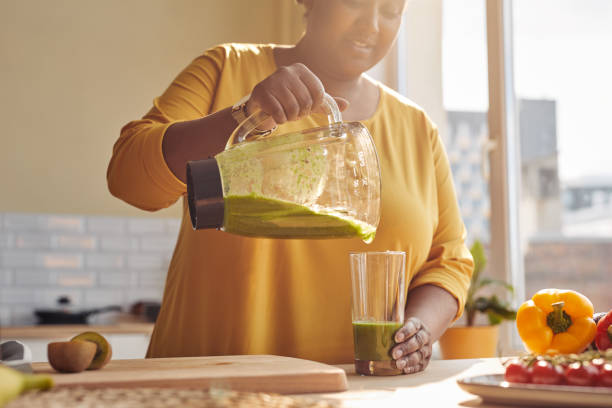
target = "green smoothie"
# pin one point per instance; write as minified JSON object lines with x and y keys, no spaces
{"x":374,"y":340}
{"x":255,"y":215}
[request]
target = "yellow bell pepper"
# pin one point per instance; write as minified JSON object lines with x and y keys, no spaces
{"x":556,"y":321}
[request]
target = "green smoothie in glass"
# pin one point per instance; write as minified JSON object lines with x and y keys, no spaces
{"x":377,"y":308}
{"x":373,"y":344}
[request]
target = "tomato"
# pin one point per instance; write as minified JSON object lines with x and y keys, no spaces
{"x":517,"y":373}
{"x":581,"y":374}
{"x":605,"y":375}
{"x":603,"y":338}
{"x":598,"y":363}
{"x":544,"y":372}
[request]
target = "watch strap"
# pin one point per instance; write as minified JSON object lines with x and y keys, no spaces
{"x":240,"y":114}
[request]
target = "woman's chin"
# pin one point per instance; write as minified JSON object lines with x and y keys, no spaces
{"x":357,"y":68}
{"x":349,"y":65}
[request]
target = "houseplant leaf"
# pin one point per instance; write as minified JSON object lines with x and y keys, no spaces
{"x":495,"y":309}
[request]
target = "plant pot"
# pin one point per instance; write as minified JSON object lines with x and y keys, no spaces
{"x":469,"y":342}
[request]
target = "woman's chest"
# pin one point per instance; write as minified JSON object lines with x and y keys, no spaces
{"x":408,"y":218}
{"x":409,"y":200}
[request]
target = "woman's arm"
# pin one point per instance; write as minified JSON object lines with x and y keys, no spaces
{"x":437,"y":293}
{"x":434,"y":306}
{"x":148,"y":165}
{"x":138,"y":172}
{"x":290,"y":93}
{"x":429,"y":311}
{"x":196,"y":139}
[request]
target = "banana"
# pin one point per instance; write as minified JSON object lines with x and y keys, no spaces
{"x":13,"y":383}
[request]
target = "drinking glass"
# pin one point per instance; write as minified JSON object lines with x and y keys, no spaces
{"x":378,"y":302}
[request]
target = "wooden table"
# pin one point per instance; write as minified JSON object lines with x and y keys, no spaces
{"x":435,"y":387}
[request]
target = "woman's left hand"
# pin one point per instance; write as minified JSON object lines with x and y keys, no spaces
{"x":413,"y":349}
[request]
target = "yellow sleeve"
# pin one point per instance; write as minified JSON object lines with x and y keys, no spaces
{"x":449,"y":264}
{"x":137,"y":172}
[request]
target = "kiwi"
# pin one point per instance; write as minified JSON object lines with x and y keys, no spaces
{"x":70,"y":356}
{"x":103,"y":352}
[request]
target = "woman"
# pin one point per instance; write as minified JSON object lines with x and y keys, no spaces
{"x":228,"y":294}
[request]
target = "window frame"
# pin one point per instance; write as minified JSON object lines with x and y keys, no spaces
{"x":506,"y":258}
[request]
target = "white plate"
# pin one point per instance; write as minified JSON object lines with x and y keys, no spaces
{"x":493,"y":388}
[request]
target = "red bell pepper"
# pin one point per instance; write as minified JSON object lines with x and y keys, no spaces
{"x":603,"y":338}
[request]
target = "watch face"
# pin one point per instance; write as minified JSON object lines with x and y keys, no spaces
{"x":239,"y":112}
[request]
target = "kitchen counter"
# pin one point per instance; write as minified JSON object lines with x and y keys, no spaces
{"x":129,"y":338}
{"x":60,"y":331}
{"x":124,"y":323}
{"x":434,"y":387}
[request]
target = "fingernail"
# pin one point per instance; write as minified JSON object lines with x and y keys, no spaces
{"x":400,"y":364}
{"x":397,"y":354}
{"x":399,"y":337}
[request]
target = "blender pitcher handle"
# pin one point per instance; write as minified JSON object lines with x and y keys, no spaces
{"x":244,"y":129}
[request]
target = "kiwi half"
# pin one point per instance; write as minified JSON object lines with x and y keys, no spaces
{"x":71,"y":356}
{"x":103,"y":351}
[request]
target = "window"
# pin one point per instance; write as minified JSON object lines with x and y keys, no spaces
{"x":465,"y":100}
{"x":525,"y":100}
{"x":564,"y":93}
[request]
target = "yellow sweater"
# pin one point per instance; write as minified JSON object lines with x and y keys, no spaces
{"x":227,"y":294}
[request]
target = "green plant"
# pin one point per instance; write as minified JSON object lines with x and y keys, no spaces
{"x":492,"y":306}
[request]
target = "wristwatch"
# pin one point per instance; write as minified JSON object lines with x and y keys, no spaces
{"x":240,"y":114}
{"x":239,"y":110}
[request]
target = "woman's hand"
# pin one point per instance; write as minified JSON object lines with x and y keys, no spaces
{"x":414,"y":346}
{"x":290,"y":93}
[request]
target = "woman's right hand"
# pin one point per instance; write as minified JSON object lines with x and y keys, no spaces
{"x":290,"y":93}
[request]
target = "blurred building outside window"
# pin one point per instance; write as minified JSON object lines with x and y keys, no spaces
{"x":562,"y":88}
{"x":560,"y":233}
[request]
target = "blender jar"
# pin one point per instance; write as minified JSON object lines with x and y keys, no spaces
{"x":317,"y":183}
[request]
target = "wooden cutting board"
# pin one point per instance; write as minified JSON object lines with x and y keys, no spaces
{"x":257,"y":373}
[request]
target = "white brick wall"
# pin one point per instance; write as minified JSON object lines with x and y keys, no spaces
{"x":145,"y":294}
{"x":31,"y":240}
{"x":21,"y":315}
{"x":7,"y":240}
{"x":96,"y":261}
{"x":35,"y":277}
{"x":5,"y":316}
{"x":147,"y":261}
{"x":105,"y":260}
{"x":106,"y":225}
{"x":157,"y":244}
{"x":110,"y":278}
{"x":104,"y":297}
{"x":74,"y":242}
{"x":119,"y":243}
{"x":140,"y":226}
{"x":148,"y":279}
{"x":6,"y":277}
{"x":173,"y":226}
